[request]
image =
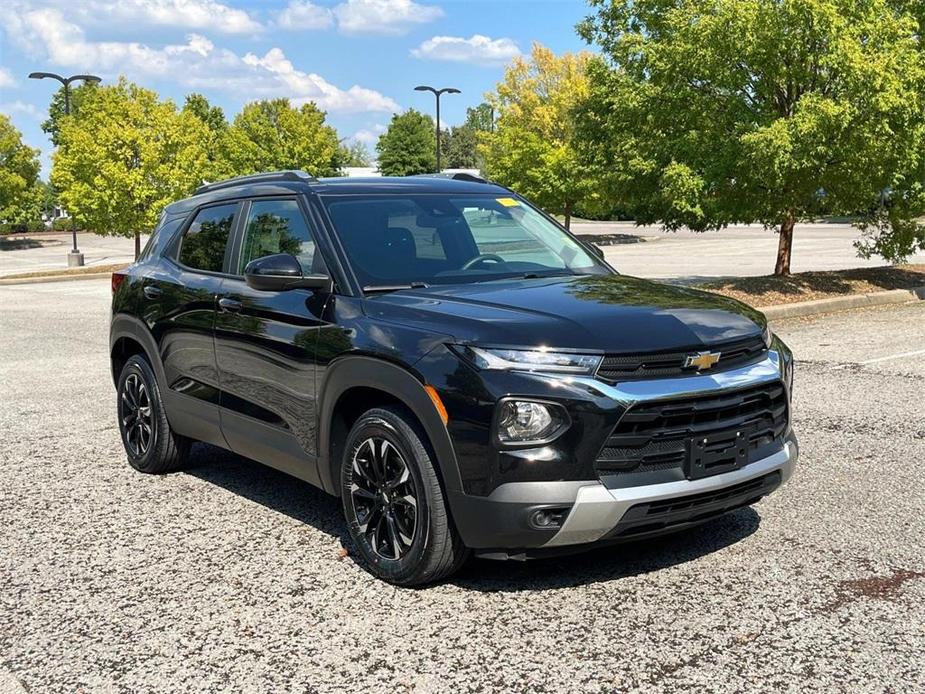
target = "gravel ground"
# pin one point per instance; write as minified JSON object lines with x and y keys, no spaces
{"x":227,"y":577}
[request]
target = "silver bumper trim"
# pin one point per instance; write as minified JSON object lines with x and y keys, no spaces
{"x":597,"y":509}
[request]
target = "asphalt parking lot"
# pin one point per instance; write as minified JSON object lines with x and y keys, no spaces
{"x":227,"y":577}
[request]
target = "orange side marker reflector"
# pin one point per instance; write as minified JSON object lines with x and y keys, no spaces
{"x":438,"y":403}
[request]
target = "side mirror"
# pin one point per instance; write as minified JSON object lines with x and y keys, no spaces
{"x":596,"y":250}
{"x":277,"y":273}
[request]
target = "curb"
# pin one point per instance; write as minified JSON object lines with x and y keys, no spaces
{"x":54,"y":278}
{"x":843,"y":303}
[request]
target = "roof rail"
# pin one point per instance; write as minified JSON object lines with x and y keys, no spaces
{"x":457,"y":176}
{"x":269,"y":177}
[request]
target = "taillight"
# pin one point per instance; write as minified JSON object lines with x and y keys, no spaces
{"x":117,"y":279}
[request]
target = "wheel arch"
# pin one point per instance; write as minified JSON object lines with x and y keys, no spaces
{"x":129,"y":336}
{"x":356,"y":384}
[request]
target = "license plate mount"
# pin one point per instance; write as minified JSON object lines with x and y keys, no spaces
{"x":714,"y":454}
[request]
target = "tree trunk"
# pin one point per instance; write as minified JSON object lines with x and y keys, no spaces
{"x":784,"y":246}
{"x":137,"y":245}
{"x":567,"y":213}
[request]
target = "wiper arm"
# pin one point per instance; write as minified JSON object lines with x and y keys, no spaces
{"x":384,"y":288}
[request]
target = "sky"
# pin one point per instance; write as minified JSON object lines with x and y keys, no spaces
{"x":359,"y":60}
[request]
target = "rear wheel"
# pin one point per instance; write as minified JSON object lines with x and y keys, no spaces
{"x":150,"y":444}
{"x":395,"y":508}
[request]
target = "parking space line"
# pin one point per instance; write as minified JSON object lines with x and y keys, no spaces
{"x":893,"y":356}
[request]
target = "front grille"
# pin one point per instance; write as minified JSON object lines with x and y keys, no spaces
{"x":653,"y":435}
{"x":631,"y":367}
{"x":674,"y":513}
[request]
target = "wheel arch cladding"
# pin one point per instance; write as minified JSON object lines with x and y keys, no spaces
{"x":353,"y":385}
{"x":129,"y":336}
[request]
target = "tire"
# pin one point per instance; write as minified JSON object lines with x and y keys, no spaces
{"x":150,"y":444}
{"x":435,"y":549}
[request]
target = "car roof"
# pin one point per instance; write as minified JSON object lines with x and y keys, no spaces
{"x":262,"y":185}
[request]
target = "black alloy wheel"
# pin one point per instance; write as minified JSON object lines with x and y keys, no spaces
{"x":385,"y":498}
{"x":136,"y":415}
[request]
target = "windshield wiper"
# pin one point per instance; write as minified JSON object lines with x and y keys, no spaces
{"x":383,"y":288}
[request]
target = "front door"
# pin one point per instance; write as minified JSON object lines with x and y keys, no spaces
{"x":265,"y":345}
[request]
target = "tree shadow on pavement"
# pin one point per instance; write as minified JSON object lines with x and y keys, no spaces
{"x":305,"y":503}
{"x":19,"y":244}
{"x":610,"y":562}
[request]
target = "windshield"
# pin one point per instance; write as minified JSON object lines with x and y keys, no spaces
{"x":443,"y":239}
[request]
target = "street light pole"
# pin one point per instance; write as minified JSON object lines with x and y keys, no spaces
{"x":75,"y":257}
{"x":437,"y":93}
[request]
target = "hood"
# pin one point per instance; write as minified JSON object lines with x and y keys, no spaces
{"x":612,"y":313}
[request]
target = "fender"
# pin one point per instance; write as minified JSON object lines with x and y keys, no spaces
{"x":124,"y":325}
{"x":369,"y":372}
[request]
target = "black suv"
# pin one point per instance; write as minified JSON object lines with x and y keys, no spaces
{"x":461,"y":371}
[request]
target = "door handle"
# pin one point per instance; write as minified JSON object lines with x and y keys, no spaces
{"x":152,"y":292}
{"x":230,"y":305}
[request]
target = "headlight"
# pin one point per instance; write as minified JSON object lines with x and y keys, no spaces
{"x":520,"y":422}
{"x":767,"y":336}
{"x":530,"y":360}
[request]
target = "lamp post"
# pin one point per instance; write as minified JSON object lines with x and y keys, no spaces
{"x":75,"y":257}
{"x":437,"y":93}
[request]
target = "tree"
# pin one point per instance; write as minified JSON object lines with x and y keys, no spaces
{"x":216,"y":127}
{"x":481,"y":117}
{"x":78,"y":92}
{"x":461,"y":147}
{"x":711,"y":112}
{"x":408,"y":146}
{"x":532,"y":148}
{"x":124,"y":156}
{"x":21,"y":193}
{"x":272,"y":135}
{"x":356,"y":154}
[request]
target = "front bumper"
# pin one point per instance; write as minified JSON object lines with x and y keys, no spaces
{"x":498,"y":525}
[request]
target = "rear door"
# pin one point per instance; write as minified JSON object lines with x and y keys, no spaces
{"x":181,"y":296}
{"x":265,"y":343}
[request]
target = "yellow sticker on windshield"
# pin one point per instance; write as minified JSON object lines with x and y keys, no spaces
{"x":509,"y":202}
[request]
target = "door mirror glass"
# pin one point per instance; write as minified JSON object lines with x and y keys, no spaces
{"x":279,"y":272}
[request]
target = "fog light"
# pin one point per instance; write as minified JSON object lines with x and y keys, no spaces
{"x":546,"y":518}
{"x":523,"y":421}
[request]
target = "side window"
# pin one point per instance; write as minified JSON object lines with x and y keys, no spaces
{"x":203,"y":244}
{"x":277,"y":226}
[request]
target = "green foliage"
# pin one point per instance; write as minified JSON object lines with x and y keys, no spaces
{"x":216,"y":128}
{"x":124,"y":156}
{"x":533,"y":146}
{"x":272,"y":135}
{"x":65,"y":224}
{"x":56,"y":110}
{"x":356,"y":154}
{"x":480,"y":117}
{"x":21,"y":193}
{"x":408,"y":147}
{"x":710,"y":112}
{"x":459,"y":148}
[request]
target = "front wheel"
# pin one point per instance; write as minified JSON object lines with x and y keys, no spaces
{"x":395,"y":508}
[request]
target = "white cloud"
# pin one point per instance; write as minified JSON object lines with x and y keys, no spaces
{"x":197,"y":64}
{"x":369,"y":136}
{"x":383,"y":16}
{"x":191,"y":15}
{"x":479,"y":49}
{"x":305,"y":87}
{"x":302,"y":14}
{"x":6,"y":78}
{"x":30,"y":110}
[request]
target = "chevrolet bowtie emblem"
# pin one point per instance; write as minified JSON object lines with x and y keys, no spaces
{"x":702,"y":360}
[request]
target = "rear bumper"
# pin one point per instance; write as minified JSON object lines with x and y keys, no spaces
{"x":593,"y":512}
